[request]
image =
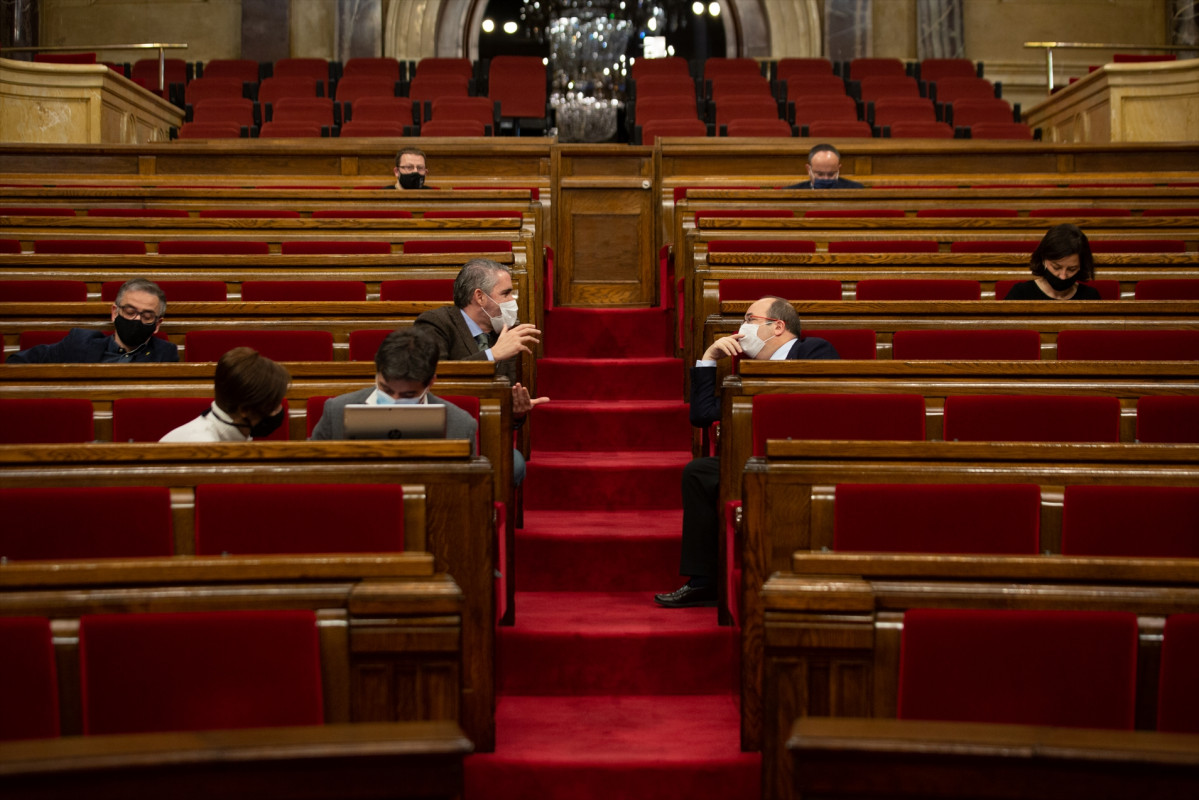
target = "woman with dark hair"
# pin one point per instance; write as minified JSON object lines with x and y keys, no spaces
{"x":1060,"y":262}
{"x":249,"y":390}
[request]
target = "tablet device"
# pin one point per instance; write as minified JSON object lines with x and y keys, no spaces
{"x":407,"y":421}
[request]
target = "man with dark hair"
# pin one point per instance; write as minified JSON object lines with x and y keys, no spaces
{"x":771,"y":333}
{"x":824,"y":170}
{"x":136,"y":316}
{"x":248,"y":394}
{"x":405,"y":369}
{"x":482,"y":324}
{"x":410,"y":169}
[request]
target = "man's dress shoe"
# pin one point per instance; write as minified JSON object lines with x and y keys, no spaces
{"x":688,"y":596}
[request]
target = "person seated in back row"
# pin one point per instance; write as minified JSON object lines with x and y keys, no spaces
{"x":1061,"y":260}
{"x":410,"y":169}
{"x":405,"y":370}
{"x":824,"y":170}
{"x":137,"y":315}
{"x":249,"y":389}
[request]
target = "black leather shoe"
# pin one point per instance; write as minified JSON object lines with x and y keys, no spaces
{"x":688,"y":596}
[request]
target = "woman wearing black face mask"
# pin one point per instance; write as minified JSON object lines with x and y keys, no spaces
{"x":249,"y":390}
{"x":1060,"y":262}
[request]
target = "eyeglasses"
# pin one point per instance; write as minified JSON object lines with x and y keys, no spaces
{"x":751,"y":317}
{"x":410,"y":168}
{"x":129,"y":312}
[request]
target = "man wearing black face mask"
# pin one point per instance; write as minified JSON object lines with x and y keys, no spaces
{"x":249,"y":390}
{"x":824,"y":170}
{"x":136,"y":316}
{"x":410,"y":169}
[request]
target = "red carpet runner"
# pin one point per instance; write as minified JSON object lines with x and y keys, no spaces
{"x":603,"y":694}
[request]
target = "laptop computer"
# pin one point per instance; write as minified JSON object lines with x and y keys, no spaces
{"x":409,"y":421}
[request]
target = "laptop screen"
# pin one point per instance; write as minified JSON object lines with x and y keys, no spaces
{"x":409,"y":421}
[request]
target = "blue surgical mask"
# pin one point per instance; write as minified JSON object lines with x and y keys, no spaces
{"x":824,"y":183}
{"x":384,"y":399}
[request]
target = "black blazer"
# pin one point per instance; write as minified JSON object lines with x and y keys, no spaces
{"x":87,"y":346}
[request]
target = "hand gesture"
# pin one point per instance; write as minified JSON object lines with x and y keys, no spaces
{"x":522,"y":403}
{"x":514,"y":341}
{"x":726,"y":346}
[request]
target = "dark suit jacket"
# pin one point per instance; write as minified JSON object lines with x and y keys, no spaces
{"x":456,"y":343}
{"x":87,"y":346}
{"x":705,"y":404}
{"x":458,"y":423}
{"x":842,"y":183}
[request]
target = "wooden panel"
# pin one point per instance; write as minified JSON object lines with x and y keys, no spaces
{"x":607,"y":252}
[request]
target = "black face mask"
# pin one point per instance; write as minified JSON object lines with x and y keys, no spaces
{"x":133,"y":332}
{"x":1060,"y":284}
{"x":412,"y":180}
{"x":266,"y":426}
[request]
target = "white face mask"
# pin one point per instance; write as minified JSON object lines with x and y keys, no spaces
{"x":750,"y":343}
{"x":507,"y":314}
{"x":384,"y":399}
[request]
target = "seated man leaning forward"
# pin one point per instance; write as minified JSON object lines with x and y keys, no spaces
{"x":770,"y":333}
{"x":136,"y":316}
{"x":248,"y":389}
{"x":405,"y":369}
{"x":824,"y":170}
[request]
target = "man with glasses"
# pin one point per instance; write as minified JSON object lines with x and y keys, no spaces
{"x":770,"y":333}
{"x":824,"y":170}
{"x":136,"y":316}
{"x":410,"y":169}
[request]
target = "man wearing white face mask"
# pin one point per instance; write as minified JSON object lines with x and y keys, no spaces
{"x":770,"y":333}
{"x":483,"y":324}
{"x":405,"y":368}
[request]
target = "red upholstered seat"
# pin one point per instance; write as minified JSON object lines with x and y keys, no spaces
{"x":1168,"y":419}
{"x":654,"y":129}
{"x":453,"y":127}
{"x":47,"y":420}
{"x":1131,"y":521}
{"x":314,"y":408}
{"x":837,"y":417}
{"x":285,"y":291}
{"x":112,"y":247}
{"x":1167,"y":289}
{"x":1032,"y":418}
{"x":851,"y":213}
{"x":865,"y":67}
{"x":244,"y":69}
{"x":648,"y":109}
{"x":362,"y":213}
{"x":428,"y":246}
{"x":211,"y":130}
{"x":1062,"y":668}
{"x":249,"y":213}
{"x":671,"y":65}
{"x":434,"y":289}
{"x":257,"y":519}
{"x":367,"y":129}
{"x":674,"y":85}
{"x":905,"y":129}
{"x":139,"y":213}
{"x":519,"y":83}
{"x":1126,"y":345}
{"x":479,"y":109}
{"x":844,"y":129}
{"x":376,"y":66}
{"x":1138,"y":246}
{"x":352,"y":88}
{"x":1171,"y":212}
{"x":968,"y":212}
{"x":51,"y":524}
{"x":445,"y":66}
{"x":10,"y":247}
{"x":788,"y":288}
{"x":816,"y":86}
{"x":176,"y":291}
{"x":30,"y":339}
{"x":876,"y":87}
{"x":897,"y":246}
{"x":715,"y":66}
{"x":1000,"y":130}
{"x":469,"y":404}
{"x":28,"y":679}
{"x":762,"y":128}
{"x":1081,"y":211}
{"x":209,"y":88}
{"x":290,"y":130}
{"x":275,"y":345}
{"x":984,"y":345}
{"x":28,"y":211}
{"x":960,"y":87}
{"x":315,"y":68}
{"x":426,"y":88}
{"x":275,"y":88}
{"x":43,"y":291}
{"x":148,"y":419}
{"x":174,"y":70}
{"x":808,"y":109}
{"x":860,"y":344}
{"x":393,"y":110}
{"x":993,"y":247}
{"x":917,"y":289}
{"x":142,"y":673}
{"x":212,"y":247}
{"x":760,"y":245}
{"x":472,"y":213}
{"x":335,"y":248}
{"x":1177,"y":689}
{"x":938,"y":518}
{"x":1108,"y":290}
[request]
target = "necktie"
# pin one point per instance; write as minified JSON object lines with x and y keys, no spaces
{"x":483,"y":341}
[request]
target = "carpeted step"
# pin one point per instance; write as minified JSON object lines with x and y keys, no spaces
{"x":594,"y":480}
{"x":610,"y":378}
{"x":628,"y":747}
{"x":577,"y":425}
{"x":580,"y":643}
{"x":607,"y":333}
{"x":599,"y":551}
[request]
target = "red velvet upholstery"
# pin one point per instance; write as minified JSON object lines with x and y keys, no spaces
{"x":316,"y":291}
{"x":51,"y":524}
{"x":30,"y":339}
{"x":746,"y":106}
{"x":824,"y":107}
{"x":1125,"y":345}
{"x":654,"y":86}
{"x":897,"y":246}
{"x":352,"y":88}
{"x":649,"y":109}
{"x":967,"y":212}
{"x":875,"y":417}
{"x":761,"y":128}
{"x":1178,"y":691}
{"x":993,"y":247}
{"x":917,"y":289}
{"x":1131,"y":521}
{"x":210,"y":130}
{"x":427,"y":88}
{"x":43,"y":291}
{"x":275,"y":88}
{"x":212,"y":247}
{"x":380,"y":110}
{"x":745,"y":213}
{"x":1168,"y":419}
{"x":28,"y":679}
{"x":335,"y":248}
{"x":787,"y":288}
{"x":983,"y":345}
{"x":1062,"y":668}
{"x":453,"y":127}
{"x":176,"y":291}
{"x":1108,"y":290}
{"x":860,"y":344}
{"x":1032,"y":418}
{"x":893,"y":110}
{"x":876,"y":87}
{"x":107,"y":247}
{"x":275,"y":345}
{"x":10,"y":247}
{"x":657,"y":128}
{"x":244,"y":69}
{"x":788,"y":67}
{"x":818,"y":86}
{"x":920,"y":130}
{"x":519,"y":84}
{"x":256,"y":519}
{"x":1167,"y":289}
{"x":140,"y":213}
{"x":47,"y":420}
{"x":429,"y":246}
{"x":671,"y":65}
{"x":468,"y":213}
{"x":142,"y":673}
{"x":148,"y":419}
{"x":849,"y":213}
{"x":938,"y":518}
{"x":362,"y":213}
{"x":1138,"y":246}
{"x":315,"y":407}
{"x":428,"y":289}
{"x":445,"y":66}
{"x":1083,"y":211}
{"x":761,"y":246}
{"x":27,"y":211}
{"x":715,"y":66}
{"x":1171,"y":212}
{"x":860,"y":68}
{"x":249,"y":213}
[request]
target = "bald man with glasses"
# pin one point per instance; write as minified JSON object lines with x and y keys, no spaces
{"x":770,"y":333}
{"x":824,"y":170}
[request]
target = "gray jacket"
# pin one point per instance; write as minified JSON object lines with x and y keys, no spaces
{"x":458,"y":423}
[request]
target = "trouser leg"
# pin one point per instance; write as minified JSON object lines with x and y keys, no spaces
{"x":701,"y":518}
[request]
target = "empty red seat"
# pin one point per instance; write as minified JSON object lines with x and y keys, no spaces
{"x":211,"y":130}
{"x":980,"y":518}
{"x":294,"y":291}
{"x":1131,"y":521}
{"x":86,"y":522}
{"x":29,"y":211}
{"x":717,"y":66}
{"x":1177,"y":689}
{"x":373,"y":66}
{"x":372,"y":129}
{"x":111,"y":247}
{"x":139,"y":213}
{"x":917,"y":289}
{"x":1168,"y":419}
{"x":249,"y":213}
{"x":173,"y":70}
{"x":1128,"y":345}
{"x":1081,"y":211}
{"x":426,"y":88}
{"x":148,"y":419}
{"x":479,"y":109}
{"x":806,"y":109}
{"x":259,"y":519}
{"x":275,"y":345}
{"x":851,"y":213}
{"x":860,"y":344}
{"x":971,"y":111}
{"x":656,"y":86}
{"x":802,"y":67}
{"x":920,"y":130}
{"x":962,"y":87}
{"x":315,"y":68}
{"x":212,"y":247}
{"x":206,"y":88}
{"x":176,"y":291}
{"x":993,"y":247}
{"x":890,"y":110}
{"x":787,"y":288}
{"x":363,"y":346}
{"x":10,"y":247}
{"x":390,"y":110}
{"x":671,"y":65}
{"x":879,"y":86}
{"x":274,"y":89}
{"x":47,"y":420}
{"x":430,"y":246}
{"x":968,"y":212}
{"x":355,"y":87}
{"x":445,"y":66}
{"x":730,"y":87}
{"x":430,"y":289}
{"x":520,"y":85}
{"x":290,"y":130}
{"x":844,"y":129}
{"x":816,"y":86}
{"x":453,"y":127}
{"x":43,"y":291}
{"x":335,"y":248}
{"x":1019,"y":667}
{"x":244,"y":69}
{"x":1167,"y":289}
{"x":759,"y":245}
{"x":1032,"y":418}
{"x":935,"y":69}
{"x":28,"y":679}
{"x":860,"y":68}
{"x":1170,"y":212}
{"x":142,"y":673}
{"x":1000,"y":130}
{"x":896,"y":246}
{"x":760,"y":128}
{"x":837,"y":417}
{"x":656,"y":108}
{"x":984,"y":345}
{"x":236,"y":110}
{"x":654,"y":129}
{"x":1138,"y":245}
{"x":362,"y":213}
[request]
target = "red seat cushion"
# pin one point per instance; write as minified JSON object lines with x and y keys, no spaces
{"x":116,"y":247}
{"x":1001,"y":345}
{"x":430,"y":289}
{"x":148,"y":419}
{"x":1168,"y":289}
{"x":917,"y":289}
{"x":1178,"y":691}
{"x":852,"y":343}
{"x":836,"y":416}
{"x":48,"y":420}
{"x":1032,"y":418}
{"x":57,"y":523}
{"x":428,"y":246}
{"x":1131,"y":521}
{"x":787,"y":288}
{"x":176,"y":291}
{"x":335,"y":248}
{"x":43,"y":291}
{"x":315,"y":291}
{"x":1168,"y":419}
{"x":993,"y":247}
{"x":900,"y":246}
{"x":842,"y":213}
{"x":28,"y":679}
{"x":760,"y":246}
{"x":364,"y":344}
{"x":362,"y":213}
{"x":1125,"y":345}
{"x":212,"y":247}
{"x":275,"y":345}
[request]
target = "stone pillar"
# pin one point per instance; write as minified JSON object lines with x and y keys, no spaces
{"x":939,"y":29}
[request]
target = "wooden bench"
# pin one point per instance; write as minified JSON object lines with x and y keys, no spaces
{"x":839,"y":624}
{"x":459,"y":518}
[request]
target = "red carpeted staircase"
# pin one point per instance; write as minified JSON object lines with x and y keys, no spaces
{"x":603,"y":694}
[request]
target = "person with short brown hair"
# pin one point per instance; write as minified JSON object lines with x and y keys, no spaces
{"x":410,"y":169}
{"x":249,"y":389}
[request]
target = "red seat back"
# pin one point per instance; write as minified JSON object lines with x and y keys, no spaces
{"x":453,"y":127}
{"x":762,"y":128}
{"x":352,"y":88}
{"x":1108,"y":290}
{"x":1138,"y":245}
{"x":1177,"y":689}
{"x":292,"y":291}
{"x":860,"y":344}
{"x":142,"y":673}
{"x":854,"y":213}
{"x":212,"y":247}
{"x":759,"y":245}
{"x":1167,"y":289}
{"x":1019,"y":667}
{"x":362,"y":213}
{"x":176,"y":291}
{"x":1168,"y":419}
{"x":210,"y":130}
{"x":788,"y":288}
{"x":428,"y":246}
{"x":1032,"y":418}
{"x":1125,"y":345}
{"x":1084,"y":211}
{"x":314,"y":408}
{"x":873,"y":417}
{"x":519,"y":84}
{"x":657,"y":128}
{"x":28,"y":679}
{"x":48,"y":420}
{"x":1000,"y":345}
{"x":432,"y":289}
{"x":1131,"y":521}
{"x":896,"y":246}
{"x":844,"y":129}
{"x":43,"y":291}
{"x":968,"y":212}
{"x":917,"y":289}
{"x":938,"y":518}
{"x":148,"y":419}
{"x":51,"y":524}
{"x":993,"y":247}
{"x":111,"y":247}
{"x":275,"y":345}
{"x":140,"y":213}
